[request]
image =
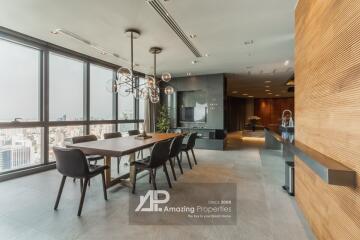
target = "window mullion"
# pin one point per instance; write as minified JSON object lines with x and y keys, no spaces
{"x":87,"y":103}
{"x":45,"y":105}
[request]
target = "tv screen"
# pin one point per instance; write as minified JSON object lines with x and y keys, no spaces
{"x":193,"y":114}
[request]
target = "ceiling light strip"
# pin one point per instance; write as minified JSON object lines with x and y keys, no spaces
{"x":87,"y":42}
{"x":160,"y":9}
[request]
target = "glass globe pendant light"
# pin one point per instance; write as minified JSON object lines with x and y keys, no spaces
{"x":154,"y":91}
{"x":150,"y":80}
{"x":125,"y":78}
{"x":169,"y":90}
{"x":124,"y":72}
{"x":166,"y":77}
{"x":144,"y":93}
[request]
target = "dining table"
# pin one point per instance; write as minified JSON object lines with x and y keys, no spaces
{"x":118,"y":147}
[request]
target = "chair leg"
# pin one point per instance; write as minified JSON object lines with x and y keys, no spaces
{"x":188,"y":158}
{"x":192,"y":151}
{"x":104,"y":186}
{"x":142,"y":154}
{"x":82,"y":196}
{"x":179,"y":163}
{"x":172,"y":168}
{"x":138,"y":155}
{"x":134,"y":181}
{"x":150,"y":175}
{"x":118,"y":165}
{"x":153,"y":179}
{"x":59,"y":193}
{"x":167,"y":175}
{"x":81,"y":184}
{"x":74,"y":179}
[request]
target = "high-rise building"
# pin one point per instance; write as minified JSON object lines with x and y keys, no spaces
{"x":5,"y":158}
{"x":12,"y":157}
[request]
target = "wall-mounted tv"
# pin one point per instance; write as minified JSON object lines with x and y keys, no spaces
{"x":193,"y":114}
{"x":192,"y":107}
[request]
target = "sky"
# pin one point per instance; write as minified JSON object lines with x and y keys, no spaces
{"x":19,"y":86}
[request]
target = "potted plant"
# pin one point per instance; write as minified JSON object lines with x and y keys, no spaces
{"x":163,"y":122}
{"x":253,"y":120}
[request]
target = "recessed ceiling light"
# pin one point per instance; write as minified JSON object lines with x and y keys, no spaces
{"x":270,"y":93}
{"x":248,"y":42}
{"x":234,"y":92}
{"x":267,"y":81}
{"x":194,"y":62}
{"x":245,"y":94}
{"x":192,"y":36}
{"x":287,"y":62}
{"x":206,"y":55}
{"x":277,"y":95}
{"x":267,"y":86}
{"x":56,"y":31}
{"x":267,"y":90}
{"x":251,"y":96}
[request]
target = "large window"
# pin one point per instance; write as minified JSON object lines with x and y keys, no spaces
{"x":49,"y":95}
{"x":19,"y":82}
{"x":100,"y":129}
{"x":19,"y":148}
{"x":100,"y":97}
{"x":60,"y":136}
{"x":66,"y":88}
{"x":125,"y":127}
{"x":126,"y":105}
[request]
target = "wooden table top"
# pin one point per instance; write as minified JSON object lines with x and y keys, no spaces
{"x":117,"y":147}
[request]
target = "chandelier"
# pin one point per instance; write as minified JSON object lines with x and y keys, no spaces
{"x":126,"y":84}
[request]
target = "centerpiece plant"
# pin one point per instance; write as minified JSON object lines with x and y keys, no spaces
{"x":163,"y":122}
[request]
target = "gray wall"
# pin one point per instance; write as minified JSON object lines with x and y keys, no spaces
{"x":213,"y":86}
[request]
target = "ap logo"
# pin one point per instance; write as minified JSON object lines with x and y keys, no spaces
{"x":153,"y":195}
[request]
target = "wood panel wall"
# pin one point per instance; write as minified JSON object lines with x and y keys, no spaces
{"x":327,"y":105}
{"x":270,"y":110}
{"x":235,"y":113}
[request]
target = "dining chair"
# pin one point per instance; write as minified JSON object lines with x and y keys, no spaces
{"x":114,"y":135}
{"x":87,"y":138}
{"x":134,"y":133}
{"x":73,"y":163}
{"x":158,"y":158}
{"x":175,"y":149}
{"x":189,"y":146}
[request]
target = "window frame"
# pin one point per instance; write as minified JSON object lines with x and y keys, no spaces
{"x":45,"y":48}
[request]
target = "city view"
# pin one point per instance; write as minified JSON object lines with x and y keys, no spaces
{"x":23,"y":147}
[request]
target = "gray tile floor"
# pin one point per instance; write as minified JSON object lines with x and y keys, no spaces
{"x":264,"y":211}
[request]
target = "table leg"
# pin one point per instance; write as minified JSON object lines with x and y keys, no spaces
{"x":132,"y":159}
{"x":108,"y":171}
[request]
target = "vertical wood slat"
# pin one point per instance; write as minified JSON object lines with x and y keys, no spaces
{"x":327,"y":106}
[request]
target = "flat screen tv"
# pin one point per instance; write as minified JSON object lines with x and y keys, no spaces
{"x":193,"y":114}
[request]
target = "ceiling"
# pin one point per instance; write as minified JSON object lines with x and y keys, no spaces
{"x":247,"y":39}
